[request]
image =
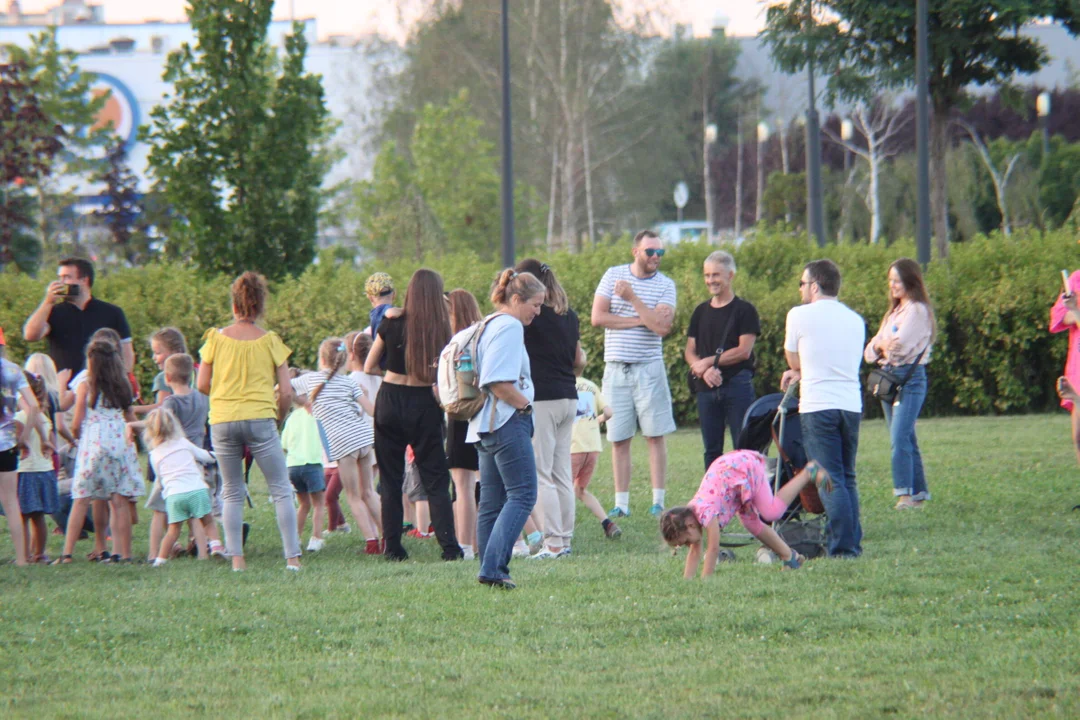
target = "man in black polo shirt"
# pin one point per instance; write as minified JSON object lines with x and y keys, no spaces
{"x":69,"y":315}
{"x":720,"y":351}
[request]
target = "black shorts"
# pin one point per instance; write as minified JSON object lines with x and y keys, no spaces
{"x":460,"y":455}
{"x":9,"y":460}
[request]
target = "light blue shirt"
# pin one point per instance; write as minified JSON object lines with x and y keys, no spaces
{"x":501,"y":357}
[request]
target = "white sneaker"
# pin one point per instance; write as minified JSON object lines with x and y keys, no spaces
{"x":344,"y":529}
{"x":468,"y":552}
{"x":315,"y":544}
{"x":520,"y":549}
{"x":544,"y":554}
{"x":217,"y":549}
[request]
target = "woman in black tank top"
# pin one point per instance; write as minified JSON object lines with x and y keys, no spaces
{"x":406,"y":412}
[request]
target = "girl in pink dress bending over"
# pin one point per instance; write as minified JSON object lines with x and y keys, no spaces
{"x":736,"y":484}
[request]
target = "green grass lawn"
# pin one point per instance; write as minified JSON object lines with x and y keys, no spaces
{"x":967,"y":609}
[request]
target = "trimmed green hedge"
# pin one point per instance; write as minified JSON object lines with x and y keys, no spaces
{"x":993,"y":355}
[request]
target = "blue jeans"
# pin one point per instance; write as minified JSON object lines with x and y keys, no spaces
{"x":507,"y":493}
{"x":832,"y":438}
{"x":725,"y":405}
{"x":907,"y":465}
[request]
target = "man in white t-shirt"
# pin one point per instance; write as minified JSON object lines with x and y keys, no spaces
{"x":635,"y":304}
{"x":823,"y":344}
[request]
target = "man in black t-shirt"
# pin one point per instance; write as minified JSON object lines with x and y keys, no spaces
{"x":69,"y":315}
{"x":720,"y":351}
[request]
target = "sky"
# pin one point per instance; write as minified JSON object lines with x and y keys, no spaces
{"x":356,"y":17}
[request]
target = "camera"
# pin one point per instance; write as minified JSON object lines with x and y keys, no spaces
{"x":71,"y":291}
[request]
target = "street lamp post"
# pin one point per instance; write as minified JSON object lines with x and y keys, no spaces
{"x":762,"y":138}
{"x":922,"y":133}
{"x":508,"y":155}
{"x":706,"y":152}
{"x":847,"y":132}
{"x":1042,"y":109}
{"x":815,"y":204}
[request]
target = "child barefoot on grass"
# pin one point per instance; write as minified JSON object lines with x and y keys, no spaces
{"x":736,"y":484}
{"x":176,"y":463}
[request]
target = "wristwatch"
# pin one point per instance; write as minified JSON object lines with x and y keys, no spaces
{"x":527,"y":410}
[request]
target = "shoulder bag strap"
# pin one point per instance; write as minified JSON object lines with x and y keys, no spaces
{"x":723,"y":337}
{"x":911,"y":370}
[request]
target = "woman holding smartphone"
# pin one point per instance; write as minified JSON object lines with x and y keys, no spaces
{"x":1065,"y":315}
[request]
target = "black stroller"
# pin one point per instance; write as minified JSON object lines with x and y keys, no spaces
{"x":773,"y":421}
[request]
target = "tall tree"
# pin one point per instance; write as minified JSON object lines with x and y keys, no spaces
{"x":865,"y":45}
{"x":879,"y":123}
{"x":28,"y":146}
{"x":121,"y":207}
{"x":395,"y":221}
{"x":446,"y":198}
{"x":690,"y":83}
{"x":66,"y":100}
{"x":582,"y":128}
{"x":239,"y":144}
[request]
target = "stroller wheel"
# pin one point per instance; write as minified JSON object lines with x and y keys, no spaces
{"x":726,"y":556}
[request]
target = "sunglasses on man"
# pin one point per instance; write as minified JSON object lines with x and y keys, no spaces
{"x":658,"y":252}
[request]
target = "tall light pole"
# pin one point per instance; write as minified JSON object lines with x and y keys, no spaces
{"x":762,"y":138}
{"x":847,"y":132}
{"x":508,"y":155}
{"x":815,"y":204}
{"x":922,"y":133}
{"x":710,"y":139}
{"x":1042,"y":109}
{"x":719,"y":30}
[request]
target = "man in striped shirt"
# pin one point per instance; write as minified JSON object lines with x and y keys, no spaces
{"x":635,"y":304}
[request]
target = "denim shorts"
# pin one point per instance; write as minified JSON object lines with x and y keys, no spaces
{"x":640,"y":396}
{"x":189,"y":505}
{"x":307,"y":478}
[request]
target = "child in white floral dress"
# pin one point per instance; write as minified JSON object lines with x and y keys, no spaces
{"x":106,"y":468}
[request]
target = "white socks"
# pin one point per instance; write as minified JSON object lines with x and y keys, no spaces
{"x":622,"y":501}
{"x":658,"y":496}
{"x":158,"y":562}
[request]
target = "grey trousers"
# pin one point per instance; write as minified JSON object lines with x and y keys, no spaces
{"x":262,"y":438}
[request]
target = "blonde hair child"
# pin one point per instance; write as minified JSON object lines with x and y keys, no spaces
{"x":37,"y":477}
{"x":176,"y":461}
{"x":586,"y":444}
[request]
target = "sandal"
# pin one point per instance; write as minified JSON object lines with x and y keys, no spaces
{"x":813,"y":468}
{"x":794,"y":563}
{"x":62,"y":560}
{"x":98,"y":557}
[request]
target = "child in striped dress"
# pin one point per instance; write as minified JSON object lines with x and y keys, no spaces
{"x":338,"y":403}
